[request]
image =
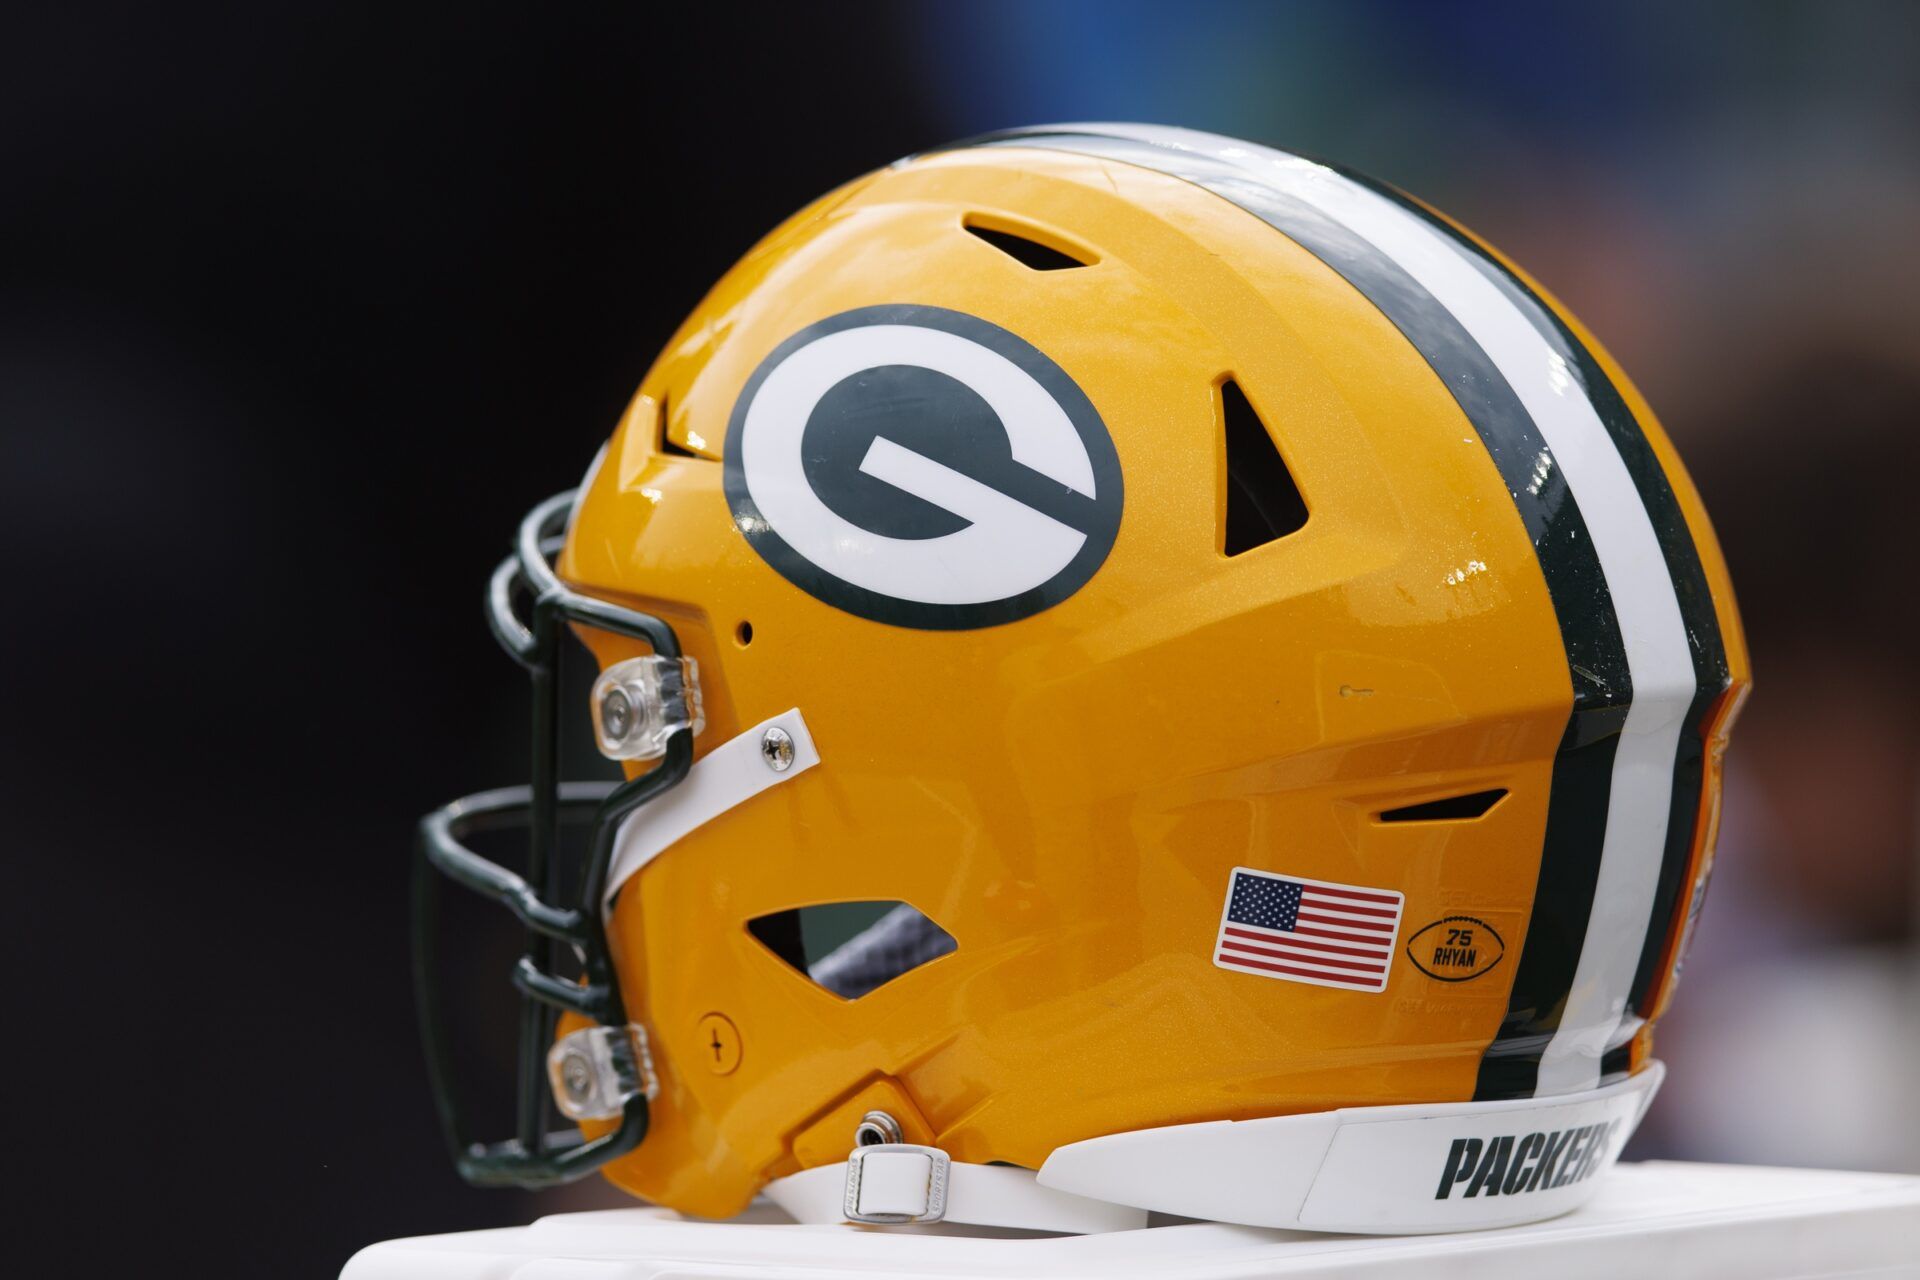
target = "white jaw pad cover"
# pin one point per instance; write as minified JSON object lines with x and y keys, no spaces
{"x":733,"y":772}
{"x":1377,"y":1170}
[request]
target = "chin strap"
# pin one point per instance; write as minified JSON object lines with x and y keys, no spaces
{"x":1393,"y":1170}
{"x":898,"y":1184}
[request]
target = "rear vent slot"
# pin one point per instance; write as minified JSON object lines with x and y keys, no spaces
{"x":1263,"y":502}
{"x":851,"y":948}
{"x":1452,"y":809}
{"x":1026,"y":252}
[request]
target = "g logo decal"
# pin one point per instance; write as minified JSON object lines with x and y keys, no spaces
{"x":922,"y":467}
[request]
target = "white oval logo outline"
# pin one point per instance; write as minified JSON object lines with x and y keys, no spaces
{"x":1010,"y":560}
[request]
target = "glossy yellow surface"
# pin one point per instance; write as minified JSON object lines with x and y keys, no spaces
{"x":1067,"y":795}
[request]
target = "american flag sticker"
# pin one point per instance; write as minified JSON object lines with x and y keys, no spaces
{"x":1329,"y":935}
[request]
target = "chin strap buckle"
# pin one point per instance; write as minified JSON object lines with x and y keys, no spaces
{"x":893,"y":1183}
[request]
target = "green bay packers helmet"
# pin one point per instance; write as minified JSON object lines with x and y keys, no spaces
{"x":1152,"y":674}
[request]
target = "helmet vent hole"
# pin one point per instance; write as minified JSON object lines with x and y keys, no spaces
{"x":743,"y":634}
{"x":666,"y":443}
{"x":852,"y":948}
{"x":1024,"y":250}
{"x":1263,"y":502}
{"x":1462,"y":808}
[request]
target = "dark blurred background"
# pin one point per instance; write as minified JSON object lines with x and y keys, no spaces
{"x":301,"y":307}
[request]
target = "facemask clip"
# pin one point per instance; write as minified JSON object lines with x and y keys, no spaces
{"x":596,"y":1070}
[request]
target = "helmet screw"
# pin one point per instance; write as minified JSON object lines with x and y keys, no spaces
{"x":776,"y":748}
{"x":576,"y":1076}
{"x":875,"y":1128}
{"x":616,"y":715}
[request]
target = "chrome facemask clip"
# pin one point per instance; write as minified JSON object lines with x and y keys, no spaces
{"x":595,"y":1071}
{"x":639,"y":704}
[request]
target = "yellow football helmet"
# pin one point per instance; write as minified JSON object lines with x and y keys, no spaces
{"x":1153,"y":674}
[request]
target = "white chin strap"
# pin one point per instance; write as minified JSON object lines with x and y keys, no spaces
{"x":1456,"y":1166}
{"x":896,"y":1184}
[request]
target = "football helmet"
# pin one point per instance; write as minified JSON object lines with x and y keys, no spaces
{"x":1152,"y":673}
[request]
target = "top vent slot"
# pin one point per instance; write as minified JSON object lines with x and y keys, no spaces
{"x":1024,"y":250}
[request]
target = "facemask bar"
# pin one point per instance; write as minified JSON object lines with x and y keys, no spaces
{"x":534,"y":1157}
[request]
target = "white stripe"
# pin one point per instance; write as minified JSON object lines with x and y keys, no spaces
{"x":1318,"y":959}
{"x":1350,"y":931}
{"x":1379,"y":922}
{"x":1352,"y":899}
{"x":1315,"y":920}
{"x":1376,"y":944}
{"x":728,"y":775}
{"x":1623,"y":538}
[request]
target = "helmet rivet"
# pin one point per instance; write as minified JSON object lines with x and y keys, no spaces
{"x":875,"y":1128}
{"x":576,"y":1076}
{"x":776,"y":748}
{"x":616,"y":715}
